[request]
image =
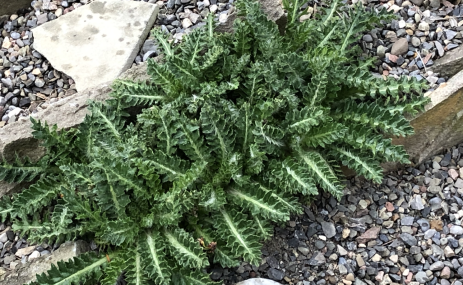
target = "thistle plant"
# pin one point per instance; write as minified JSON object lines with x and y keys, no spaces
{"x":233,"y":130}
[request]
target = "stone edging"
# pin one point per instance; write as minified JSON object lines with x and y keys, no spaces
{"x":67,"y":113}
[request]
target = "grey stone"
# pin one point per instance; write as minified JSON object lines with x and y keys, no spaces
{"x":429,"y":233}
{"x":148,"y":54}
{"x":367,"y":38}
{"x":3,"y":238}
{"x":456,"y":230}
{"x":328,"y":229}
{"x":275,"y":274}
{"x":304,"y":250}
{"x":39,"y":82}
{"x":449,"y":34}
{"x":435,"y":203}
{"x":416,"y":203}
{"x":42,"y":19}
{"x":438,"y":265}
{"x":93,"y":49}
{"x":407,"y":221}
{"x":421,"y":277}
{"x":434,"y":3}
{"x":400,"y":47}
{"x":7,"y":82}
{"x":408,"y":239}
{"x":416,"y":42}
{"x":317,"y":259}
{"x":437,"y":251}
{"x":149,"y":45}
{"x":459,"y":183}
{"x":15,"y":35}
{"x":170,"y":4}
{"x":381,"y":52}
{"x":424,"y":224}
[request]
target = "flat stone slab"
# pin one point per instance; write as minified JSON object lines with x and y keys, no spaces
{"x":26,"y":273}
{"x":97,"y":42}
{"x":450,"y":64}
{"x":258,"y":281}
{"x":440,"y":126}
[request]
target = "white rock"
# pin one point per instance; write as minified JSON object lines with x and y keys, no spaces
{"x":3,"y":238}
{"x":258,"y":281}
{"x":423,"y":26}
{"x":401,"y":24}
{"x":448,"y":252}
{"x":34,"y":255}
{"x":456,"y":230}
{"x":96,"y":43}
{"x":213,"y":8}
{"x":186,"y":23}
{"x":341,"y":250}
{"x":194,"y":18}
{"x":223,"y":18}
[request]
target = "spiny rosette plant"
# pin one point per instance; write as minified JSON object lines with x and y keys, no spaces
{"x":233,"y":129}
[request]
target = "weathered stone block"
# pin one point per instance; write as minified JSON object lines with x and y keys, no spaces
{"x":27,"y":272}
{"x":97,"y":42}
{"x":441,"y":124}
{"x":67,"y":113}
{"x":450,"y":64}
{"x":8,"y":7}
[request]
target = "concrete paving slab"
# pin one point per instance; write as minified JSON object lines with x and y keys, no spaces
{"x":97,"y":42}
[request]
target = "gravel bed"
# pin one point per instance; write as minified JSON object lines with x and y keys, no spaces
{"x":406,"y":230}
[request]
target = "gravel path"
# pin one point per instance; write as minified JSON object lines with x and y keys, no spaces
{"x":408,"y":229}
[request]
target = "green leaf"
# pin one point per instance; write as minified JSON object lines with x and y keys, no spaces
{"x":258,"y":202}
{"x":86,"y":267}
{"x":236,"y":229}
{"x":324,"y":135}
{"x":321,"y":171}
{"x":21,"y":171}
{"x":293,"y":177}
{"x":187,"y":252}
{"x":37,"y":196}
{"x":362,"y":164}
{"x":154,"y":259}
